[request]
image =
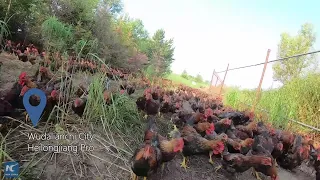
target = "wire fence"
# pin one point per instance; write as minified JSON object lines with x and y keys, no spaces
{"x":217,"y":81}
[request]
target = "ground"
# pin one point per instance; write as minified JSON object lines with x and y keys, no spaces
{"x":110,"y":158}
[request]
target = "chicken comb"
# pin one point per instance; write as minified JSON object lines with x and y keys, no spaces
{"x":53,"y":93}
{"x":22,"y":75}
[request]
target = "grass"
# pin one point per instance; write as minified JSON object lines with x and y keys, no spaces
{"x":178,"y":79}
{"x":298,"y":99}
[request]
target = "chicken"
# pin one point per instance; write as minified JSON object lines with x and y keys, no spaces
{"x":268,"y":167}
{"x":152,"y":106}
{"x":237,"y":118}
{"x":222,"y":126}
{"x":45,"y":74}
{"x":6,"y":108}
{"x":13,"y":95}
{"x":236,"y":162}
{"x":249,"y":129}
{"x":263,"y":145}
{"x":299,"y":152}
{"x":165,"y":104}
{"x":79,"y":105}
{"x":146,"y":158}
{"x":51,"y":102}
{"x":195,"y":144}
{"x":315,"y":156}
{"x":128,"y":87}
{"x":287,"y":139}
{"x":204,"y":128}
{"x":239,"y":146}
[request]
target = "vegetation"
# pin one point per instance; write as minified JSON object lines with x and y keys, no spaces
{"x":298,"y":98}
{"x":189,"y":81}
{"x":63,"y":23}
{"x":292,"y":45}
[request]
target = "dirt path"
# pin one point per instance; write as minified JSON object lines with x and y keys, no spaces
{"x":200,"y":169}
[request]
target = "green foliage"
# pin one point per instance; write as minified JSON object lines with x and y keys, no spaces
{"x":62,"y":23}
{"x":189,"y":81}
{"x":199,"y":78}
{"x":57,"y":35}
{"x":292,"y":45}
{"x":161,"y":53}
{"x":286,"y":102}
{"x":184,"y":74}
{"x":4,"y":30}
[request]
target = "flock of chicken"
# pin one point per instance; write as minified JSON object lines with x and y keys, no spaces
{"x":212,"y":129}
{"x":30,"y":53}
{"x":206,"y":128}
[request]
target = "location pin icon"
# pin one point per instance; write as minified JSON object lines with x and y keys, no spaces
{"x":34,"y":112}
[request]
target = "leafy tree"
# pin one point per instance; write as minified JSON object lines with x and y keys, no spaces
{"x":161,"y":53}
{"x":198,"y":78}
{"x":292,"y":45}
{"x":184,"y":74}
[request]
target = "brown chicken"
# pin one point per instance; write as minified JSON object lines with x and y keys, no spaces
{"x":152,"y":107}
{"x":249,"y":129}
{"x":13,"y":95}
{"x":299,"y":152}
{"x":263,"y":146}
{"x":236,"y":162}
{"x":146,"y":158}
{"x":79,"y":105}
{"x":45,"y":74}
{"x":239,"y":146}
{"x":195,"y":144}
{"x":204,"y":128}
{"x":223,"y":125}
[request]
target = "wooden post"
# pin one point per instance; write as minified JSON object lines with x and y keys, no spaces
{"x":212,"y":78}
{"x":225,"y":74}
{"x":217,"y":79}
{"x":261,"y":80}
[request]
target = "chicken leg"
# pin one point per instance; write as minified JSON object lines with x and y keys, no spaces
{"x":184,"y":163}
{"x":217,"y":168}
{"x":144,"y":178}
{"x":210,"y":157}
{"x":256,"y":174}
{"x":134,"y":177}
{"x":27,"y":116}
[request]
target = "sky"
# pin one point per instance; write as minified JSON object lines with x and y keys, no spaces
{"x":209,"y":34}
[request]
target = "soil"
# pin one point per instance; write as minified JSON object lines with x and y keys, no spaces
{"x":105,"y":162}
{"x":201,"y":169}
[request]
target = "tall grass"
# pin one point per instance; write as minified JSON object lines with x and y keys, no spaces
{"x":299,"y":99}
{"x":4,"y":30}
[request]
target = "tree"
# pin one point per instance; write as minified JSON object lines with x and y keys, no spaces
{"x":198,"y":78}
{"x":161,"y":53}
{"x":292,"y":45}
{"x":184,"y":74}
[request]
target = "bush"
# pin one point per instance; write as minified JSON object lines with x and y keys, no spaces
{"x":198,"y":78}
{"x":184,"y":74}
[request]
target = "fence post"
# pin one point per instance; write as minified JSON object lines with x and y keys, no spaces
{"x":225,"y":74}
{"x":260,"y":83}
{"x":212,"y":79}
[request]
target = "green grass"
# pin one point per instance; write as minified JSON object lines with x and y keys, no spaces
{"x":298,"y":99}
{"x":179,"y":79}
